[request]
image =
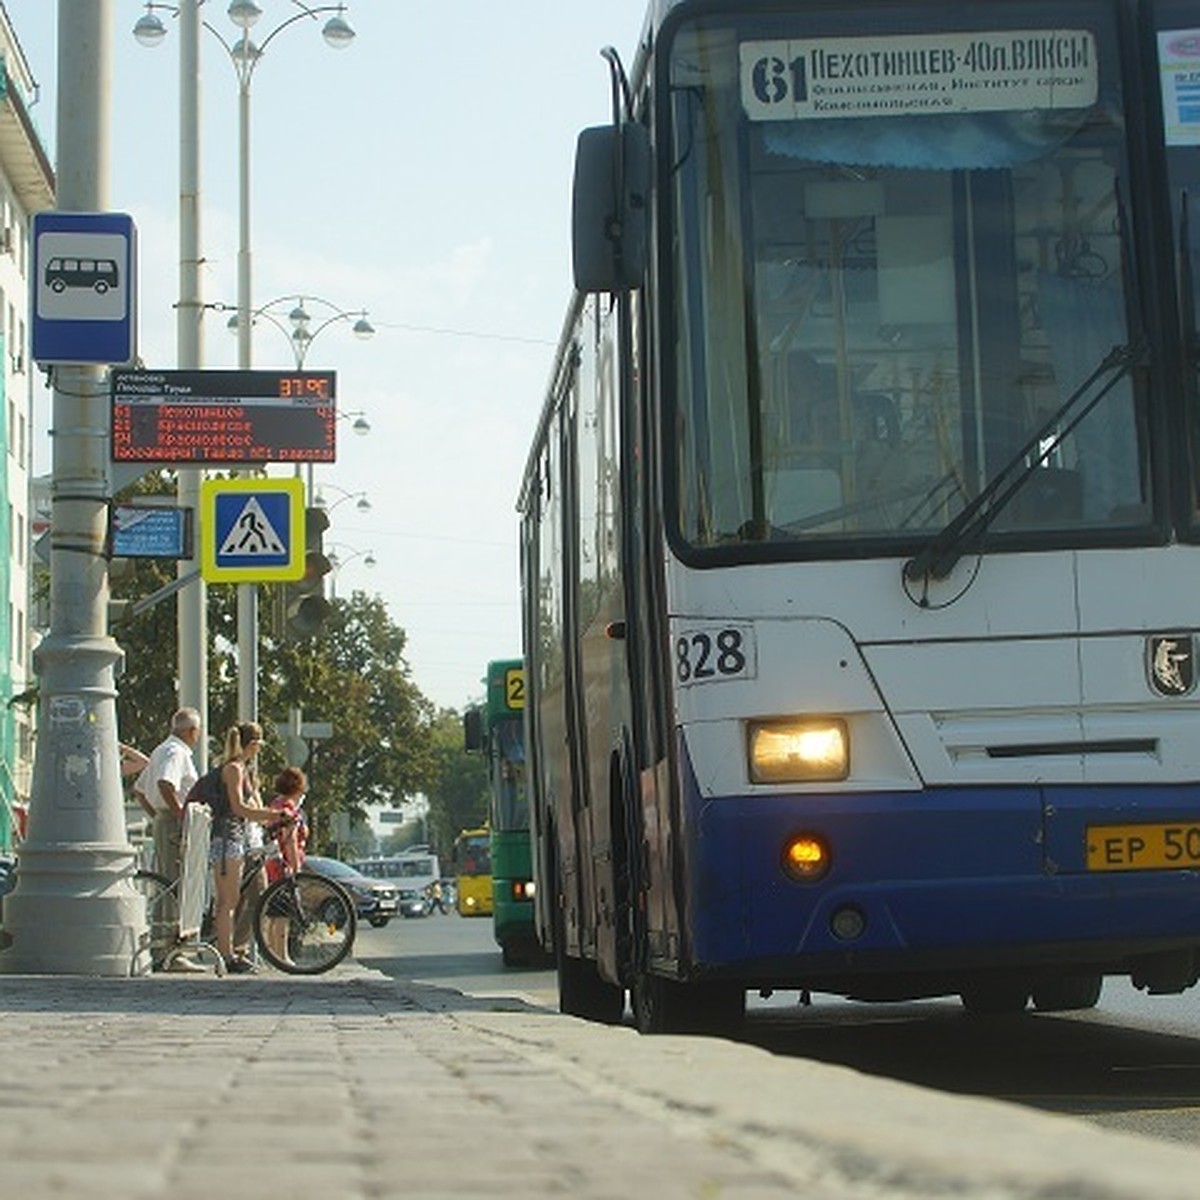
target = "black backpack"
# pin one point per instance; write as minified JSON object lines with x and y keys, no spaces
{"x":209,"y":790}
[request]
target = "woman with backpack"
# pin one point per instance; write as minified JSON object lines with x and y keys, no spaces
{"x":238,"y":803}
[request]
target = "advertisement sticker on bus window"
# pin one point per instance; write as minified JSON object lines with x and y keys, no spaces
{"x":1179,"y":76}
{"x":713,"y":652}
{"x":1009,"y":71}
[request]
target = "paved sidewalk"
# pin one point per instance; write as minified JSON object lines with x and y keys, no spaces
{"x":354,"y":1087}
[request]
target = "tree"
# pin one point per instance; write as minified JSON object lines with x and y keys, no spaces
{"x":353,"y":675}
{"x":408,"y":833}
{"x":458,"y":787}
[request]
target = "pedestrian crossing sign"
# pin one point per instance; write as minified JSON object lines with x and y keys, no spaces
{"x":251,"y":530}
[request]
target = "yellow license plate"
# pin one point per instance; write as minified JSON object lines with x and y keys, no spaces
{"x":1143,"y":847}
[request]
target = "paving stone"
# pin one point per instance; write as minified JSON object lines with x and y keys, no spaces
{"x":353,"y":1087}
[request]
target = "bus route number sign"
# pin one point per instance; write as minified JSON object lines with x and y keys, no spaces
{"x":712,"y":653}
{"x":514,"y":689}
{"x":223,"y":417}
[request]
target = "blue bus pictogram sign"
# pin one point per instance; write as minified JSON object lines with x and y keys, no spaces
{"x":83,"y":288}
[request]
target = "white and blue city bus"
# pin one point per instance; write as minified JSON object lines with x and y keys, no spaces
{"x":860,"y":531}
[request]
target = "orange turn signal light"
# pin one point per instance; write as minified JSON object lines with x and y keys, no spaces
{"x":806,"y":857}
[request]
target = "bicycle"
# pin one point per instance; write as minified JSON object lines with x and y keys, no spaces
{"x":304,"y":923}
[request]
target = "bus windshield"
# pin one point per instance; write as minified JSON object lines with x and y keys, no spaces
{"x":897,"y":259}
{"x":509,"y":801}
{"x":472,"y":853}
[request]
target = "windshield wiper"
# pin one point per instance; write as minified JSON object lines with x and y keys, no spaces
{"x":966,"y":531}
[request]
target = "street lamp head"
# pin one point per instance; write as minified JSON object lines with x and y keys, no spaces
{"x":338,"y":561}
{"x":149,"y":29}
{"x":363,"y":503}
{"x":298,"y":324}
{"x":244,"y":13}
{"x":337,"y":32}
{"x":361,"y":426}
{"x":244,"y":53}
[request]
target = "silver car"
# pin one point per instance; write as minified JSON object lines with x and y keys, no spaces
{"x":377,"y":900}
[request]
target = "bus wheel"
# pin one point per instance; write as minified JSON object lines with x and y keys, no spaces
{"x":997,"y":998}
{"x":668,"y":1006}
{"x":1067,"y":992}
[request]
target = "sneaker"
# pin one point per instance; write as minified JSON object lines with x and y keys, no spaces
{"x":240,"y":966}
{"x":182,"y":965}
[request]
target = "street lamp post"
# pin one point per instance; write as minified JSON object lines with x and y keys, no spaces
{"x":192,"y":602}
{"x":338,"y":561}
{"x":300,"y":335}
{"x":245,"y":54}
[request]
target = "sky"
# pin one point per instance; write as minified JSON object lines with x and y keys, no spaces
{"x":422,"y":174}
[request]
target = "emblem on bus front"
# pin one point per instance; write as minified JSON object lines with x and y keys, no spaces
{"x":1171,"y":663}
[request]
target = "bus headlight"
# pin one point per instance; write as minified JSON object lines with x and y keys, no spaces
{"x":798,"y":750}
{"x":523,"y":889}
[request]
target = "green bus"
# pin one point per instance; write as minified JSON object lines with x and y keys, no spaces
{"x":496,"y":729}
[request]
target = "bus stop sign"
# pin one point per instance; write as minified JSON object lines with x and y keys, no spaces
{"x":83,"y":288}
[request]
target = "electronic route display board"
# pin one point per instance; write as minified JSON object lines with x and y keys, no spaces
{"x":223,"y":417}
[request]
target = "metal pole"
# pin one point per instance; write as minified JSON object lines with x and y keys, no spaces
{"x":74,"y":910}
{"x":245,"y":319}
{"x":247,"y":593}
{"x":192,"y":602}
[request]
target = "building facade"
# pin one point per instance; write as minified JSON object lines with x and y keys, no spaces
{"x":26,"y":187}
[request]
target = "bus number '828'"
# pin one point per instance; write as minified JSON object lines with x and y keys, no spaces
{"x":714,"y":653}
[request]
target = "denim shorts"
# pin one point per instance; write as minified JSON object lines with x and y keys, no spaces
{"x":228,"y":842}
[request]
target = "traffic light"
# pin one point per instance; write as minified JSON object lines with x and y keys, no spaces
{"x":304,"y":605}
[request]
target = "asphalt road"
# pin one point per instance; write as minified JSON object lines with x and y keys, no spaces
{"x":1132,"y":1064}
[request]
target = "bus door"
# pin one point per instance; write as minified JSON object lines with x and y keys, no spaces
{"x":601,"y":616}
{"x":647,"y":701}
{"x":593,"y":846}
{"x":554,"y":812}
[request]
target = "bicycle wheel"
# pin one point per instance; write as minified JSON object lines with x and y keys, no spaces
{"x":305,"y":924}
{"x":162,"y":912}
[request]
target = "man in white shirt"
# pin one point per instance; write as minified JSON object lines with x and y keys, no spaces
{"x":163,"y":785}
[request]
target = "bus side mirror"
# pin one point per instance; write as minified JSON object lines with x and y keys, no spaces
{"x":473,"y":729}
{"x":610,"y":208}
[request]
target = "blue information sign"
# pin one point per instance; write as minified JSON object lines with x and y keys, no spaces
{"x":83,"y":288}
{"x":150,"y":531}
